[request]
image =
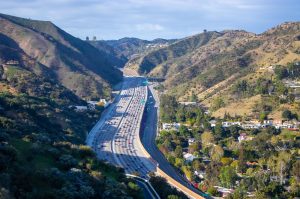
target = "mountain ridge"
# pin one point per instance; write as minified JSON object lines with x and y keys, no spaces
{"x":75,"y":63}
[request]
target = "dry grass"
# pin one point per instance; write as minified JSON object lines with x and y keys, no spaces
{"x":239,"y":108}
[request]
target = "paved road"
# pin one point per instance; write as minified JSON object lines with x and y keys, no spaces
{"x":148,"y":139}
{"x":115,"y":137}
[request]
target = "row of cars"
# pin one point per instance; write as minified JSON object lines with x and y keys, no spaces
{"x":117,"y":139}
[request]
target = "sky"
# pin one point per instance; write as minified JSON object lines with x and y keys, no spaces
{"x":150,"y":19}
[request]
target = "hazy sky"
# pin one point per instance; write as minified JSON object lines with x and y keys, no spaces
{"x":149,"y":19}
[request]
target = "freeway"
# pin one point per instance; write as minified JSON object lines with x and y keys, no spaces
{"x":149,"y":133}
{"x":121,"y":138}
{"x":115,"y":137}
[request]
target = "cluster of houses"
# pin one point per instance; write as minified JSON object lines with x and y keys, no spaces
{"x":12,"y":62}
{"x":255,"y":124}
{"x":91,"y":105}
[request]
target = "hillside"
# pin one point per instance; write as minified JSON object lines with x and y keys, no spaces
{"x":207,"y":65}
{"x":127,"y":48}
{"x":42,"y":151}
{"x":77,"y":65}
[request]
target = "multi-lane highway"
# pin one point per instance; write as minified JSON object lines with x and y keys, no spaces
{"x":115,"y":137}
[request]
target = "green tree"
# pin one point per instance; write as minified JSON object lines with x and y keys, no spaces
{"x":178,"y":151}
{"x":228,"y":176}
{"x":207,"y":139}
{"x":281,"y":72}
{"x":216,"y":153}
{"x":287,"y":114}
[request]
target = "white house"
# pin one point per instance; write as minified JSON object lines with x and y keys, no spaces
{"x":213,"y":123}
{"x":189,"y":157}
{"x":169,"y":126}
{"x":81,"y":108}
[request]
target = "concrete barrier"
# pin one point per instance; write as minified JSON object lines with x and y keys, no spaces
{"x":179,"y":186}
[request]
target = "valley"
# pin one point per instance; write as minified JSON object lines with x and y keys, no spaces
{"x":214,"y":114}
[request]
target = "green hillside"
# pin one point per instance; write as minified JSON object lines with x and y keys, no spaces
{"x":42,"y":151}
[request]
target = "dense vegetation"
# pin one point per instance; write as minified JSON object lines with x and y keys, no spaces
{"x":42,"y":155}
{"x":42,"y":151}
{"x":164,"y":190}
{"x":266,"y":165}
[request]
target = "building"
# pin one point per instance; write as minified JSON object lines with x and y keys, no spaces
{"x":188,"y":103}
{"x":191,"y":141}
{"x":80,"y":108}
{"x":213,"y":123}
{"x":170,"y":126}
{"x":189,"y":157}
{"x":244,"y":137}
{"x":101,"y":102}
{"x":200,"y":174}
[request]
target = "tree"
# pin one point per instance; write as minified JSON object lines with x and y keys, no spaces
{"x":178,"y":151}
{"x":287,"y":114}
{"x":282,"y":164}
{"x":173,"y":197}
{"x":187,"y":172}
{"x":207,"y":139}
{"x":296,"y":170}
{"x":196,"y":165}
{"x":228,"y":176}
{"x":263,"y":116}
{"x":281,"y":72}
{"x":217,"y":103}
{"x":219,"y":130}
{"x":193,"y":97}
{"x":194,"y":147}
{"x":184,"y":131}
{"x":217,"y":153}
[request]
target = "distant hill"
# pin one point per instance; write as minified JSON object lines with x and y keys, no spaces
{"x":80,"y":67}
{"x":209,"y":65}
{"x":127,"y":48}
{"x":200,"y":62}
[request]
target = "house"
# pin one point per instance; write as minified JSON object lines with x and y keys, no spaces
{"x":268,"y":122}
{"x":80,"y":108}
{"x":188,"y":103}
{"x":244,"y":137}
{"x":101,"y":102}
{"x":191,"y":141}
{"x":213,"y":123}
{"x":226,"y":124}
{"x":200,"y":174}
{"x":170,"y":126}
{"x":189,"y":157}
{"x":224,"y":191}
{"x":12,"y":62}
